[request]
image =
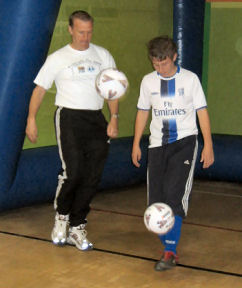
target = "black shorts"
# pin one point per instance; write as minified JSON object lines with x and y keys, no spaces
{"x":170,"y":174}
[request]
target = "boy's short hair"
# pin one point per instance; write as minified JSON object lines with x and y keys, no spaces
{"x":162,"y":47}
{"x":81,"y":15}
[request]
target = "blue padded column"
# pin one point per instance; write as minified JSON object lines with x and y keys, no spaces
{"x":188,"y":21}
{"x":26,"y":28}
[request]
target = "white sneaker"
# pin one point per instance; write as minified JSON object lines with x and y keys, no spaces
{"x":77,"y":236}
{"x":59,"y":232}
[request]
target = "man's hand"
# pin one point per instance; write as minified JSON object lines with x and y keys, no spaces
{"x":34,"y":105}
{"x":112,"y":129}
{"x":32,"y":130}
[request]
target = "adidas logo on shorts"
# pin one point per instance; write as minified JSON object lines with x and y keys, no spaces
{"x":187,"y":162}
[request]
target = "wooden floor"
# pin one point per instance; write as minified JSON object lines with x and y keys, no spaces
{"x":125,"y":252}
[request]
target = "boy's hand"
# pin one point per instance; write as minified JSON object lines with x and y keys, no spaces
{"x":207,"y":157}
{"x":136,"y":156}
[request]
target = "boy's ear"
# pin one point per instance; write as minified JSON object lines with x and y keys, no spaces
{"x":174,"y":57}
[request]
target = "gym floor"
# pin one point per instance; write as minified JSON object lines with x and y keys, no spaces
{"x":125,"y":252}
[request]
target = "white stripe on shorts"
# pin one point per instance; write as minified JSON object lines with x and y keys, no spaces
{"x":188,"y":186}
{"x":148,"y":194}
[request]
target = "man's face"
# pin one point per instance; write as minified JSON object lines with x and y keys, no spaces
{"x":81,"y":33}
{"x":166,"y":67}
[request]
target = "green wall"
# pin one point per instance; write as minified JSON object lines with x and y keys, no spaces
{"x":123,"y":27}
{"x":223,"y":66}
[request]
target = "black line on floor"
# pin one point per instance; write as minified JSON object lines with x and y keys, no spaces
{"x":185,"y":222}
{"x":128,"y":255}
{"x":25,"y":236}
{"x":180,"y":265}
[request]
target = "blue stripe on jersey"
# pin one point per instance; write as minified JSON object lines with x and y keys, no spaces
{"x":167,"y":88}
{"x":169,"y":131}
{"x":201,"y":108}
{"x":163,"y":88}
{"x":171,"y":88}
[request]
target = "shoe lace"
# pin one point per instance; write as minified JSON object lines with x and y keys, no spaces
{"x":62,"y":217}
{"x":61,"y":222}
{"x":79,"y":233}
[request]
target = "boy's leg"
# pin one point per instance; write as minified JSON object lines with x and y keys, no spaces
{"x":179,"y":174}
{"x":155,"y":175}
{"x":180,"y":160}
{"x":171,"y":239}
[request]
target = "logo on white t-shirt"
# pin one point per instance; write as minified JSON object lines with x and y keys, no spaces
{"x":84,"y":68}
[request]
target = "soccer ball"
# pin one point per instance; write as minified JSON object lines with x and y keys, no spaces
{"x":159,"y":218}
{"x":111,"y":83}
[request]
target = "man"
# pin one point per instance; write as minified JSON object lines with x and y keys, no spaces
{"x":81,"y":129}
{"x":175,"y":96}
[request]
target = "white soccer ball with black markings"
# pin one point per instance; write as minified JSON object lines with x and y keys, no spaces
{"x":159,"y":218}
{"x":111,"y":84}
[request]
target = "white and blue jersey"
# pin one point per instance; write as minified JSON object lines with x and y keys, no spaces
{"x":174,"y":102}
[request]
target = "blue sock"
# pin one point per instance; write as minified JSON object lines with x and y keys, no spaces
{"x":171,"y":239}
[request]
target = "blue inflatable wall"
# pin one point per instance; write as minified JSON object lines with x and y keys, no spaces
{"x":30,"y":176}
{"x":26,"y":28}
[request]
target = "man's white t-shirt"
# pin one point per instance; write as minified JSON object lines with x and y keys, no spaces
{"x":174,"y":102}
{"x":74,"y":73}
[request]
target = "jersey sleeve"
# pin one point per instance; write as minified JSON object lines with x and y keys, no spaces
{"x":47,"y":73}
{"x":144,"y":99}
{"x":199,"y":100}
{"x":108,"y":61}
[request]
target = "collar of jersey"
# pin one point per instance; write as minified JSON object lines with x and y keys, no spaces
{"x":79,"y":51}
{"x":173,"y":76}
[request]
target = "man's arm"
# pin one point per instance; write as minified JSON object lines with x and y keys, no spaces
{"x":34,"y":105}
{"x":207,"y":156}
{"x":112,"y":129}
{"x":140,"y":123}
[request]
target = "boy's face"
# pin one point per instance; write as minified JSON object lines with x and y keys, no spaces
{"x":166,"y":68}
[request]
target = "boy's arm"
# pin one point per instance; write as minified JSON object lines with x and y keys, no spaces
{"x":140,"y":123}
{"x":207,"y":156}
{"x":34,"y":105}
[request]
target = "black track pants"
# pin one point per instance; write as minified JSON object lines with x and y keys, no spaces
{"x":83,"y":146}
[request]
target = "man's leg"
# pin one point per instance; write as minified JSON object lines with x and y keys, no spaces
{"x":71,"y":175}
{"x":94,"y":160}
{"x":95,"y":155}
{"x":71,"y":159}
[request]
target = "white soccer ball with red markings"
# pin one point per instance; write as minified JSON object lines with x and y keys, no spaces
{"x":111,"y":84}
{"x":159,"y":218}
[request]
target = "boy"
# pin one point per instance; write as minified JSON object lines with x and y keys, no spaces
{"x":175,"y":96}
